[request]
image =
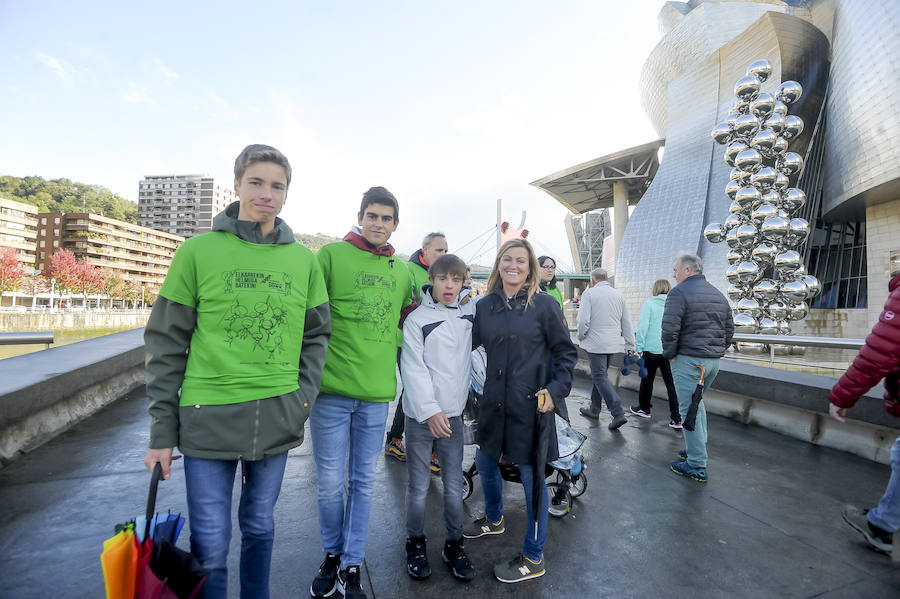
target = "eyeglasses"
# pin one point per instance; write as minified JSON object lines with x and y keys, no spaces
{"x":549,"y":267}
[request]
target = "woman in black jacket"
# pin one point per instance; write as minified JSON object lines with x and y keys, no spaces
{"x":520,"y":330}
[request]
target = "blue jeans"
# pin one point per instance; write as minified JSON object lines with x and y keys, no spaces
{"x":603,"y":389}
{"x":492,"y":485}
{"x":338,"y":426}
{"x":687,"y":377}
{"x":209,"y":487}
{"x":887,"y":514}
{"x":419,"y":443}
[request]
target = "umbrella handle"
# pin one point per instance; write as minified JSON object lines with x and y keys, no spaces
{"x":702,"y":373}
{"x":151,"y":496}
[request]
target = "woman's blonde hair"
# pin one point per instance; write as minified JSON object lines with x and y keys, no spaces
{"x":532,"y":281}
{"x":661,"y":286}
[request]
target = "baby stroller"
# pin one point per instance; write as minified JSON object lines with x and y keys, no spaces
{"x":570,"y":481}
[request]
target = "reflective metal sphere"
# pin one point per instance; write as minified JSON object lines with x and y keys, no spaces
{"x":800,"y":272}
{"x":771,"y":197}
{"x":768,"y":326}
{"x":788,"y":92}
{"x":733,"y":221}
{"x":775,"y":122}
{"x":784,"y":327}
{"x":764,"y":253}
{"x":731,"y":240}
{"x":784,"y":214}
{"x":750,"y":159}
{"x":731,"y":117}
{"x":722,"y":133}
{"x":733,"y":149}
{"x":733,"y":256}
{"x":777,"y":309}
{"x":764,"y":140}
{"x":774,"y":228}
{"x":737,"y":174}
{"x":794,"y":291}
{"x":761,"y":68}
{"x":747,"y":87}
{"x":735,"y":293}
{"x":798,"y":231}
{"x":745,"y":323}
{"x":789,"y":163}
{"x":731,"y":188}
{"x":746,"y":125}
{"x":763,"y":104}
{"x":781,"y":145}
{"x":748,"y":272}
{"x":750,"y":306}
{"x":764,"y":178}
{"x":779,"y":108}
{"x":788,"y":261}
{"x":815,"y":287}
{"x":793,"y":199}
{"x":746,"y":196}
{"x":781,"y":182}
{"x":747,"y":236}
{"x":763,"y":211}
{"x":793,"y":126}
{"x":735,"y":208}
{"x":714,"y":232}
{"x":731,"y":274}
{"x":740,"y":107}
{"x":799,"y":311}
{"x":766,"y":290}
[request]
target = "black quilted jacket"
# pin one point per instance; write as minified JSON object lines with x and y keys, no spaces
{"x":697,"y":321}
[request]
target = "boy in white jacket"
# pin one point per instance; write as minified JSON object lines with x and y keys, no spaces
{"x":434,"y":365}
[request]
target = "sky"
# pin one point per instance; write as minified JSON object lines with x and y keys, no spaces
{"x":448,"y":105}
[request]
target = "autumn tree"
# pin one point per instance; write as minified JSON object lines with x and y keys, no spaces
{"x":90,"y":279}
{"x":11,"y":270}
{"x":113,"y":284}
{"x":65,"y":269}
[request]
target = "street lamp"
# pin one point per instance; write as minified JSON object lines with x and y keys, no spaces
{"x":142,"y":297}
{"x":52,"y":289}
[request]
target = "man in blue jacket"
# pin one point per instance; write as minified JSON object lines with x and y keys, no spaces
{"x":697,"y":327}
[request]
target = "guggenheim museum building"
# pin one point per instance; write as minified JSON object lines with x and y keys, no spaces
{"x":846,"y":55}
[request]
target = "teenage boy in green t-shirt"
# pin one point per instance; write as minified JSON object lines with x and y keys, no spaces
{"x":236,"y":344}
{"x":367,"y":289}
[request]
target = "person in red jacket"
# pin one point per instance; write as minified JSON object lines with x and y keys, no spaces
{"x":878,"y":359}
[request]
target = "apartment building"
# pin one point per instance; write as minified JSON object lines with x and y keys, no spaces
{"x":18,"y":229}
{"x":181,"y":204}
{"x":139,"y":253}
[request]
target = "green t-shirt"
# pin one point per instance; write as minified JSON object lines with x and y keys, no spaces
{"x":557,"y":293}
{"x":251,"y":301}
{"x":419,"y":277}
{"x":366,"y":293}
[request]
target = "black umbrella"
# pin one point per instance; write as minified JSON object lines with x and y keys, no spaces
{"x":545,"y":449}
{"x":691,"y":419}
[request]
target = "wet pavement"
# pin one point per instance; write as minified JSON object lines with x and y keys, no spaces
{"x":766,"y":525}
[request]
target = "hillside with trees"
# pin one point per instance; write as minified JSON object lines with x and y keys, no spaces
{"x":63,"y":195}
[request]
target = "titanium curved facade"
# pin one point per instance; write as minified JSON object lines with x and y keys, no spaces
{"x":846,"y":54}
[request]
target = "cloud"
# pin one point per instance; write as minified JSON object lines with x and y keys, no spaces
{"x":227,"y":112}
{"x":64,"y":70}
{"x":166,"y":71}
{"x":136,"y":95}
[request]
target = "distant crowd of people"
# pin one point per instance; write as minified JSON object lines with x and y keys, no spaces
{"x":252,"y":335}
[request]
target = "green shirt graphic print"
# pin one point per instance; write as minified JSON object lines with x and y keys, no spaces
{"x":251,"y":301}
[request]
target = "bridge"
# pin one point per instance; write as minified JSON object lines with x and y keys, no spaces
{"x":767,"y":523}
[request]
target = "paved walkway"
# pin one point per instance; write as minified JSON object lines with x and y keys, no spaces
{"x":766,"y":525}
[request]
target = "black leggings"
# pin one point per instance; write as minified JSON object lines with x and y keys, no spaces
{"x":652,"y":363}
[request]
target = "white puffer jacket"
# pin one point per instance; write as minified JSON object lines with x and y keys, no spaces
{"x":435,"y":361}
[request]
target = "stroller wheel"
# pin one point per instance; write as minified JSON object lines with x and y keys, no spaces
{"x":579,"y":484}
{"x":560,"y":500}
{"x":467,"y":485}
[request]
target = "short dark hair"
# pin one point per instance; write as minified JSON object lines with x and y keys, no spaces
{"x":448,"y":264}
{"x":552,"y":283}
{"x":380,"y":195}
{"x":260,"y":153}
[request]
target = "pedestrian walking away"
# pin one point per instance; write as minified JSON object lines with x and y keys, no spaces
{"x":238,"y":334}
{"x":697,"y":328}
{"x":604,"y":329}
{"x":648,"y":343}
{"x":878,"y":359}
{"x":520,"y":329}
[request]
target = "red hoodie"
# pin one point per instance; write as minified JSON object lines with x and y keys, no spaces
{"x":878,"y":359}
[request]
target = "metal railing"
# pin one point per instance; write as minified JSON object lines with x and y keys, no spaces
{"x":771,"y":342}
{"x":45,"y":337}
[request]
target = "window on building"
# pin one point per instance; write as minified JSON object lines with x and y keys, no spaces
{"x":42,"y":243}
{"x":838,"y":259}
{"x":56,"y":221}
{"x":43,"y":221}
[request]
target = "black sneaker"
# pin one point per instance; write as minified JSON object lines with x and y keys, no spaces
{"x":417,"y":558}
{"x":483,"y":526}
{"x":589,"y":413}
{"x":350,"y":583}
{"x":881,"y":540}
{"x":637,"y":411}
{"x":518,"y":569}
{"x":325,"y":582}
{"x":456,"y":559}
